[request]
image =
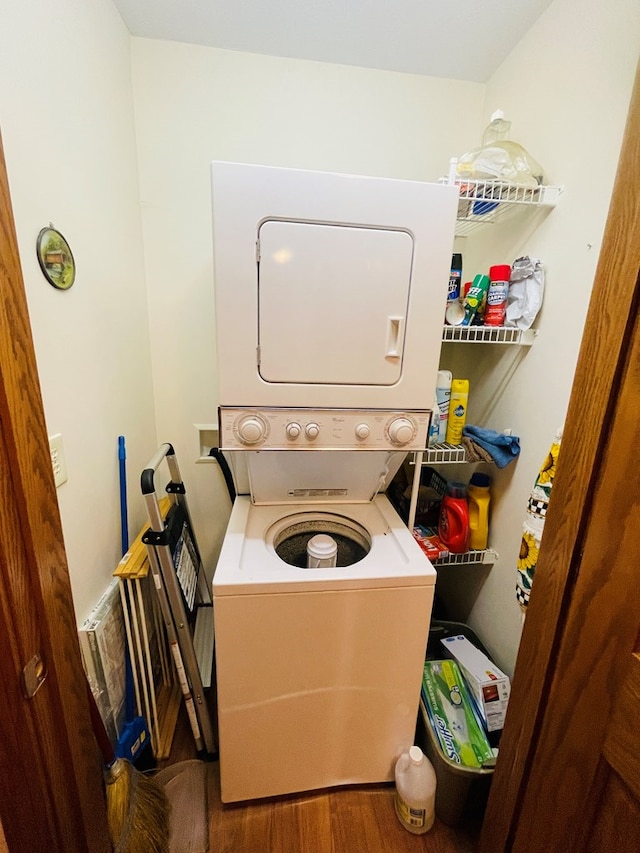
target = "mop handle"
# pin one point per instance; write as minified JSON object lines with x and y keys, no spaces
{"x":124,"y":525}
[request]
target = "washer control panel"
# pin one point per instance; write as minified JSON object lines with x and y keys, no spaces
{"x":249,"y":428}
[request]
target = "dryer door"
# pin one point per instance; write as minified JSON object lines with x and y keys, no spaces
{"x":332,"y":302}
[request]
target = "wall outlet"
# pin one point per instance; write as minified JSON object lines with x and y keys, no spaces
{"x":57,"y":459}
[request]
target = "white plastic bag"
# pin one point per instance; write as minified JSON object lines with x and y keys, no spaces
{"x":501,"y":161}
{"x":526,"y":289}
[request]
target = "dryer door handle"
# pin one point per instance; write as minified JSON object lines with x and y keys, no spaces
{"x":395,"y":337}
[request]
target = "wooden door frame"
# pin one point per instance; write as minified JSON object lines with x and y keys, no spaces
{"x":574,"y":619}
{"x":51,"y":791}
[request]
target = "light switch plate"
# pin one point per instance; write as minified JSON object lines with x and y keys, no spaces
{"x":57,"y":459}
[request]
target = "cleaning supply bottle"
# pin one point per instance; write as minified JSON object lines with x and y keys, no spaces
{"x":434,"y":426}
{"x":453,"y":524}
{"x":457,"y":410}
{"x":454,"y":311}
{"x":478,"y":499}
{"x":497,"y":130}
{"x":415,"y":794}
{"x":496,"y":309}
{"x":475,"y":298}
{"x":443,"y":396}
{"x":455,"y":278}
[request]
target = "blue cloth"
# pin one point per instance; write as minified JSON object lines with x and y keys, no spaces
{"x":502,"y":448}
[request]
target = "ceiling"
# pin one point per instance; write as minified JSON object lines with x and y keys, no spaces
{"x":458,"y":39}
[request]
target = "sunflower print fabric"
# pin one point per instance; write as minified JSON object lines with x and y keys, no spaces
{"x":534,"y":523}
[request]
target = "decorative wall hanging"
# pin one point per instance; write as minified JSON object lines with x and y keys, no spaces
{"x":55,"y":258}
{"x":534,"y":523}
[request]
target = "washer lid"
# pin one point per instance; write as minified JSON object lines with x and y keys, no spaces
{"x":326,"y":477}
{"x":248,"y":563}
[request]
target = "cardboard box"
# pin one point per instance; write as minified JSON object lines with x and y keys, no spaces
{"x":430,"y":542}
{"x":453,"y":716}
{"x":489,"y":686}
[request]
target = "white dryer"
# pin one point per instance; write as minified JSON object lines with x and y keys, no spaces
{"x":330,"y":293}
{"x":329,"y":289}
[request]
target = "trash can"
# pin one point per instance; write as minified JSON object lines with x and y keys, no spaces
{"x":461,"y":792}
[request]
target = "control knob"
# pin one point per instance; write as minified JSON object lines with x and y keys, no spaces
{"x":401,"y":431}
{"x":362,"y":431}
{"x":293,"y":430}
{"x":312,"y":430}
{"x":251,"y":429}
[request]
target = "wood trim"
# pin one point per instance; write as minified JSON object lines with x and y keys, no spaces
{"x":544,"y":654}
{"x":51,"y":794}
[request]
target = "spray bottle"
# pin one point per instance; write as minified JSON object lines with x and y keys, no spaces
{"x":457,"y":410}
{"x":443,"y":397}
{"x":475,"y":297}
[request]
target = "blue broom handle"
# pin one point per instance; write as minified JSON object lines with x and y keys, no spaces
{"x":124,"y":527}
{"x":124,"y":524}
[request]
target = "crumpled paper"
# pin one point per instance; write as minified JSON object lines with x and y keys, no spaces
{"x":526,"y":289}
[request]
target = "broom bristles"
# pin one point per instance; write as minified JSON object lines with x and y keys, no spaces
{"x":137,"y":811}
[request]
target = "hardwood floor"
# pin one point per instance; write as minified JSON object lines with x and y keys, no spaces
{"x":345,"y":820}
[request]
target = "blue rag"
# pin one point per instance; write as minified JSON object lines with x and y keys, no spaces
{"x":502,"y":448}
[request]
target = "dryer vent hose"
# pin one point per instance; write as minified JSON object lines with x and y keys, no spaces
{"x":226,"y":471}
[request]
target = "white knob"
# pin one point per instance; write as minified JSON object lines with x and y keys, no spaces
{"x":293,"y":430}
{"x":251,"y":430}
{"x":362,"y":431}
{"x":312,"y":430}
{"x":401,"y":431}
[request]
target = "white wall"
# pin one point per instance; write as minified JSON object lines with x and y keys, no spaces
{"x":196,"y":104}
{"x":66,"y":117}
{"x":566,"y":88}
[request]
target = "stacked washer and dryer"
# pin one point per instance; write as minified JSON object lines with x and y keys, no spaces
{"x":329,"y":307}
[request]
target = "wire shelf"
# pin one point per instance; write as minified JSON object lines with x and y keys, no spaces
{"x":486,"y":557}
{"x":444,"y":453}
{"x":469,"y":558}
{"x":483,"y":202}
{"x":489,"y":335}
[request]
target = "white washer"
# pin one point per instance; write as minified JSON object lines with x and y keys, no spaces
{"x":318,"y":670}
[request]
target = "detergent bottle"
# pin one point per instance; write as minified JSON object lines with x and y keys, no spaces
{"x":453,"y":523}
{"x":415,"y":794}
{"x":478,"y":497}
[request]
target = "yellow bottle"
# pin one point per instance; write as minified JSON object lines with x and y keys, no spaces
{"x":457,"y":410}
{"x":479,"y":497}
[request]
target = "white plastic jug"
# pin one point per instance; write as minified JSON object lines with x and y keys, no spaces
{"x":415,"y":791}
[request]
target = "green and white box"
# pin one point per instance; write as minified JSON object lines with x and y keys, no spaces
{"x":488,"y":684}
{"x":453,"y":716}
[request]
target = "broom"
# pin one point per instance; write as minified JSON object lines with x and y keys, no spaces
{"x":137,"y":806}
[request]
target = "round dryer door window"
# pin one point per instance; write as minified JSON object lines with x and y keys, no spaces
{"x":290,"y":538}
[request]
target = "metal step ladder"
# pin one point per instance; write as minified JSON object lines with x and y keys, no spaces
{"x":183,"y":594}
